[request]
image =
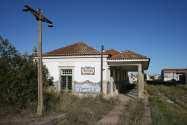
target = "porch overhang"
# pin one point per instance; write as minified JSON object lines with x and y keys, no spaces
{"x":118,"y":66}
{"x":129,"y":64}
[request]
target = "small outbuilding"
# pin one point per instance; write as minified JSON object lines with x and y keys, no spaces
{"x":174,"y":74}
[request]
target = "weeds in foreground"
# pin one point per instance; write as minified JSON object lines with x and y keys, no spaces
{"x":133,"y":113}
{"x":79,"y":111}
{"x":166,"y":112}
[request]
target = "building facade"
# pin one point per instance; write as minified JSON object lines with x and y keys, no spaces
{"x":77,"y":68}
{"x":179,"y":75}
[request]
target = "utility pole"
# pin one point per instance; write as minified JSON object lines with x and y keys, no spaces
{"x":40,"y":18}
{"x":102,"y":48}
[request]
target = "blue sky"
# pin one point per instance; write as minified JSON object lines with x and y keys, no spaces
{"x":155,"y":28}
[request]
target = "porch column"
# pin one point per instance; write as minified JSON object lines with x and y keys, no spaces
{"x":108,"y":90}
{"x":118,"y":78}
{"x":114,"y":74}
{"x":140,"y":82}
{"x":118,"y":75}
{"x":115,"y":91}
{"x":126,"y":75}
{"x":110,"y":81}
{"x":123,"y":75}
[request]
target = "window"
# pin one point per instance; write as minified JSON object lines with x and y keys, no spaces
{"x":66,"y":71}
{"x":66,"y":79}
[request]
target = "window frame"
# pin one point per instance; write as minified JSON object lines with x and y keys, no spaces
{"x":66,"y":74}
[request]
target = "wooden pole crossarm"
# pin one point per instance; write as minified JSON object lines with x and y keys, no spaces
{"x":37,"y":14}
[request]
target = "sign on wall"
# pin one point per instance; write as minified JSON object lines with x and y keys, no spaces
{"x":87,"y":87}
{"x":87,"y":70}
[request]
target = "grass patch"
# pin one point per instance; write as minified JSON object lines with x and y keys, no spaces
{"x":133,"y":113}
{"x":83,"y":111}
{"x":76,"y":110}
{"x":167,"y":104}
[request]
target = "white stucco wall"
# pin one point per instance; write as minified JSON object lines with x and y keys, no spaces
{"x":54,"y":64}
{"x":170,"y":75}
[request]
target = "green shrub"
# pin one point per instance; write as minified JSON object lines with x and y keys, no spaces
{"x":18,"y":78}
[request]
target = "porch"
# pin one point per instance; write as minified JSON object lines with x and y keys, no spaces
{"x":118,"y":78}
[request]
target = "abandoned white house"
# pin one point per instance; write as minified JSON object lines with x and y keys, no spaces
{"x":77,"y":68}
{"x":179,"y":75}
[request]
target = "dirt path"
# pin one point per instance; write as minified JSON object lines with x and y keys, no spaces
{"x":48,"y":120}
{"x":113,"y":117}
{"x":147,"y":112}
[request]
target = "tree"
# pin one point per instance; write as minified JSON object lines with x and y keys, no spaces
{"x":18,"y":77}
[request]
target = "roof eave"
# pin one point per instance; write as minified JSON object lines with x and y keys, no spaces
{"x":122,"y":60}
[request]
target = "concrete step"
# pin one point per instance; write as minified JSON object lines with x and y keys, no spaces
{"x":133,"y":93}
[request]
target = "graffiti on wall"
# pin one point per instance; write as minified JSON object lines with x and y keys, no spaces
{"x":87,"y":87}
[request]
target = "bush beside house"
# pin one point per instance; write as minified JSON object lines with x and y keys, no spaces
{"x":18,"y":78}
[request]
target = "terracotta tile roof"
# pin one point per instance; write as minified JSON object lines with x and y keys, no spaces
{"x":174,"y":69}
{"x":111,"y":52}
{"x":128,"y":55}
{"x":79,"y":48}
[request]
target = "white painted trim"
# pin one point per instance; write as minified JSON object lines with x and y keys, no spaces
{"x":127,"y":60}
{"x":67,"y":57}
{"x":124,"y":64}
{"x":66,"y":67}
